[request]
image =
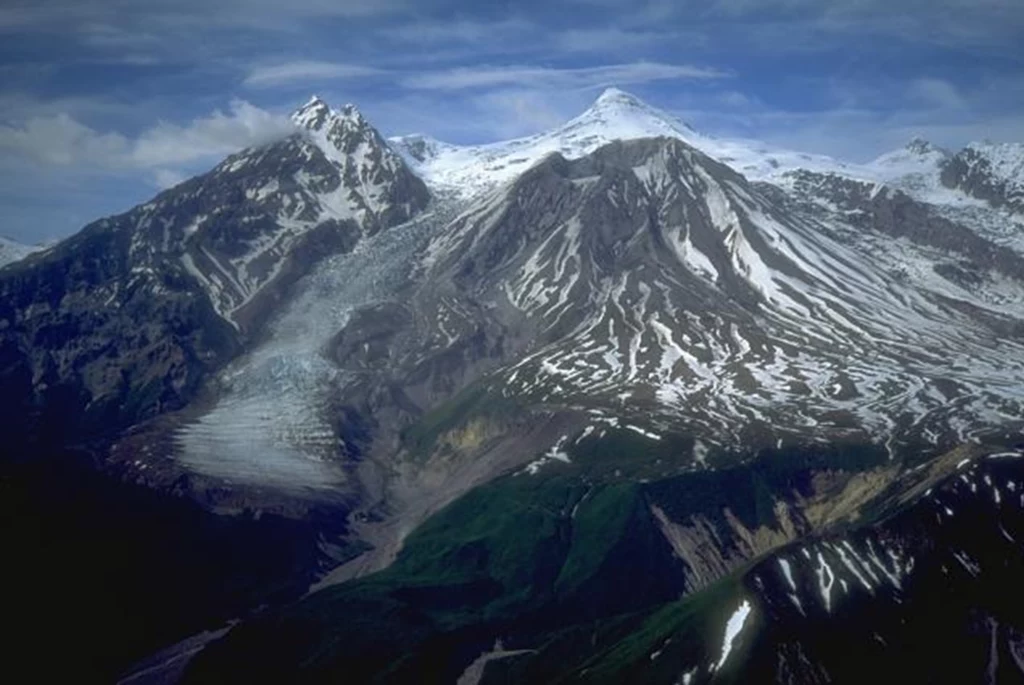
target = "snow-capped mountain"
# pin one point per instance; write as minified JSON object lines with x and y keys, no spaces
{"x":622,"y":318}
{"x":961,"y":187}
{"x":615,"y":115}
{"x":644,"y":281}
{"x":320,"y":190}
{"x":982,"y":176}
{"x":649,"y":281}
{"x":623,"y":263}
{"x":125,"y":318}
{"x":916,"y":156}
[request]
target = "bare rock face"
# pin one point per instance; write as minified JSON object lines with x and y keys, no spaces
{"x":989,"y":172}
{"x":892,"y":212}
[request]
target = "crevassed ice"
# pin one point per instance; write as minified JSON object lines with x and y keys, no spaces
{"x":269,"y":426}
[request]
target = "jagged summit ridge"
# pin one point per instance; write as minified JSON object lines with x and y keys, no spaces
{"x":920,"y":146}
{"x":313,"y":114}
{"x":316,"y":113}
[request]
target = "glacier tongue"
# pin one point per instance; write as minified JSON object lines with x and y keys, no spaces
{"x":270,"y":425}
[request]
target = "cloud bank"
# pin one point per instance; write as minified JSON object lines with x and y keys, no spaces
{"x":61,"y":140}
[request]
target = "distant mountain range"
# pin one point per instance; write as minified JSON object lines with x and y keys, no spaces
{"x":339,"y":327}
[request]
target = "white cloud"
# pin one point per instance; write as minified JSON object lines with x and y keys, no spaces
{"x":214,"y":136}
{"x":735,"y":99}
{"x":462,"y":78}
{"x":61,"y":140}
{"x":299,"y":71}
{"x":110,"y":36}
{"x":933,"y":91}
{"x":464,"y":31}
{"x":512,"y":113}
{"x":605,"y":40}
{"x":32,"y":15}
{"x":22,"y":106}
{"x":166,"y":178}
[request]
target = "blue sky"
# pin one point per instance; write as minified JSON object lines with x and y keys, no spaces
{"x":104,"y":102}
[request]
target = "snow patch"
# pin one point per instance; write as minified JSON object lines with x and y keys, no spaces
{"x":732,"y":631}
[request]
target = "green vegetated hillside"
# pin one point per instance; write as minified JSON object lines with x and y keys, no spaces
{"x":571,"y":565}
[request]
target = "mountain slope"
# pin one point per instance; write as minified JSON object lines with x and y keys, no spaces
{"x":923,"y":596}
{"x":107,"y":334}
{"x":646,"y":279}
{"x":126,"y":318}
{"x":645,"y":286}
{"x":613,"y":339}
{"x":537,"y":566}
{"x":990,"y":172}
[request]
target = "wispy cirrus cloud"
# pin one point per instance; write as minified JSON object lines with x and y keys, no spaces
{"x":85,"y":84}
{"x":463,"y":78}
{"x":433,"y":32}
{"x":306,"y":71}
{"x":613,"y":39}
{"x":973,"y":24}
{"x":30,"y":15}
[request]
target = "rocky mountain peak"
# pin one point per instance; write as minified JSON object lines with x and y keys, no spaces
{"x":612,"y":97}
{"x":616,"y":107}
{"x":187,"y":277}
{"x":317,"y":115}
{"x":340,"y":133}
{"x":350,"y":111}
{"x":919,"y":146}
{"x":313,"y":114}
